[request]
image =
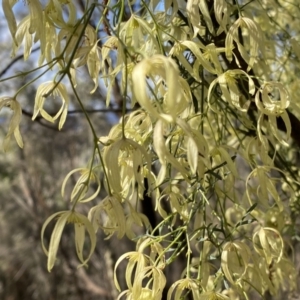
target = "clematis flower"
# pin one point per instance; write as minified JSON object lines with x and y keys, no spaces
{"x":109,"y":215}
{"x":125,"y":160}
{"x":144,"y":276}
{"x":14,"y":105}
{"x":137,"y":262}
{"x":181,"y":286}
{"x":55,"y":13}
{"x":273,"y":108}
{"x":234,"y":260}
{"x":93,"y":63}
{"x":177,"y":201}
{"x":22,"y":33}
{"x":146,"y":294}
{"x":269,"y":106}
{"x":81,"y":223}
{"x":222,"y":15}
{"x":132,"y":35}
{"x":254,"y":43}
{"x":7,"y":6}
{"x":194,"y":8}
{"x":265,"y":188}
{"x":32,"y":24}
{"x":211,"y":295}
{"x":82,"y":185}
{"x":230,"y":90}
{"x":268,"y":243}
{"x":167,"y":71}
{"x":155,"y":281}
{"x":163,"y":152}
{"x":46,"y":89}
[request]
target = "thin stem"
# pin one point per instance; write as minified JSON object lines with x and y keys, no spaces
{"x":189,"y":252}
{"x":124,"y":95}
{"x":33,"y":80}
{"x":94,"y":134}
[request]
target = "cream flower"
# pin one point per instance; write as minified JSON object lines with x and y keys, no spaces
{"x":125,"y":161}
{"x":155,"y":281}
{"x":81,"y":223}
{"x":194,"y":8}
{"x":268,"y":243}
{"x":109,"y":216}
{"x":164,"y":72}
{"x":7,"y":6}
{"x":234,"y":260}
{"x":230,"y":89}
{"x":211,"y":295}
{"x":45,"y":90}
{"x":14,"y":105}
{"x":254,"y":43}
{"x":82,"y":185}
{"x":181,"y":286}
{"x":136,"y":264}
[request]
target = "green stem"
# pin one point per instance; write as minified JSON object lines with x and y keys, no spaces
{"x":124,"y":95}
{"x":33,"y":80}
{"x":94,"y":134}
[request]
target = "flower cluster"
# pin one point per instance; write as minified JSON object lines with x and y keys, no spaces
{"x":204,"y":140}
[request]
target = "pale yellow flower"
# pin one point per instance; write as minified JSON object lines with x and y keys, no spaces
{"x":178,"y":202}
{"x":22,"y":32}
{"x":56,"y":89}
{"x":81,"y":223}
{"x":230,"y":90}
{"x":181,"y":286}
{"x":234,"y":260}
{"x":81,"y":187}
{"x":265,"y":102}
{"x":93,"y":64}
{"x":139,"y":126}
{"x":140,"y":267}
{"x":51,"y":42}
{"x":194,"y":8}
{"x":136,"y":264}
{"x":211,"y":295}
{"x":37,"y":23}
{"x":164,"y":72}
{"x":163,"y":152}
{"x":55,"y":11}
{"x":222,"y":15}
{"x":268,"y":243}
{"x":254,"y":42}
{"x":125,"y":161}
{"x":154,"y":281}
{"x":109,"y":216}
{"x":7,"y":6}
{"x":265,"y":188}
{"x":111,"y":69}
{"x":273,"y":108}
{"x":32,"y":27}
{"x":14,"y":105}
{"x":157,"y":251}
{"x":201,"y":59}
{"x":133,"y":32}
{"x":86,"y":53}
